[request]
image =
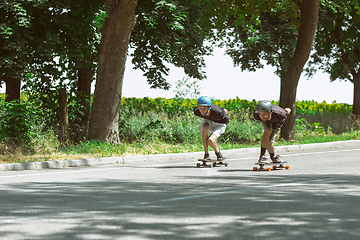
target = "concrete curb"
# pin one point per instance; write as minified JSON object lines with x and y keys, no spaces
{"x":177,"y":156}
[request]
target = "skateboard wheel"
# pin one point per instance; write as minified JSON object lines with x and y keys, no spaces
{"x":255,"y":169}
{"x":268,"y":169}
{"x":210,"y":165}
{"x":274,"y":167}
{"x":226,"y":164}
{"x":198,"y":165}
{"x":287,"y":167}
{"x":214,"y":164}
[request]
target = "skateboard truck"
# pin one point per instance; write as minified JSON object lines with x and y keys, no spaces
{"x":212,"y":163}
{"x":270,"y":165}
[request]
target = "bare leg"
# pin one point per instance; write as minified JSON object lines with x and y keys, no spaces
{"x":271,"y":148}
{"x":212,"y":142}
{"x":204,"y":136}
{"x":265,"y":139}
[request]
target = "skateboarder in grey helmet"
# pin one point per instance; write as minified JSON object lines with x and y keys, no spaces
{"x":272,"y":118}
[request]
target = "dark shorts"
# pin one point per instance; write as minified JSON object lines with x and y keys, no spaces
{"x":275,"y":129}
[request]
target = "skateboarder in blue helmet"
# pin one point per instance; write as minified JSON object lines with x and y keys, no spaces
{"x":213,"y":120}
{"x":272,"y":118}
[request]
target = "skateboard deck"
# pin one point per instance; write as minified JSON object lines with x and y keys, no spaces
{"x":212,"y":163}
{"x":270,"y":165}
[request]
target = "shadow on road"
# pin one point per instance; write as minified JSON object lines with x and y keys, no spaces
{"x":214,"y":207}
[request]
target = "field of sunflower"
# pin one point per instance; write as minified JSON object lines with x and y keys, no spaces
{"x":174,"y":106}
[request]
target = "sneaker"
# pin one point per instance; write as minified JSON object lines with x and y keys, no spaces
{"x":207,"y":156}
{"x":219,"y":156}
{"x":277,"y":159}
{"x":263,"y":159}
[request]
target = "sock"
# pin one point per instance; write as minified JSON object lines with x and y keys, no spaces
{"x":262,"y":152}
{"x":272,"y":155}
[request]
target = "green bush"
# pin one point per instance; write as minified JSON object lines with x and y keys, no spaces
{"x":152,"y":126}
{"x":168,"y":120}
{"x":19,"y":120}
{"x":183,"y":128}
{"x":22,"y":123}
{"x":173,"y":121}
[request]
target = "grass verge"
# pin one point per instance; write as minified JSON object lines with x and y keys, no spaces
{"x":12,"y":153}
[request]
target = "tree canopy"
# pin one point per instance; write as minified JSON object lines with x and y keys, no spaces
{"x":46,"y":39}
{"x":49,"y":44}
{"x":276,"y":33}
{"x":168,"y":32}
{"x":337,"y":40}
{"x":336,"y":49}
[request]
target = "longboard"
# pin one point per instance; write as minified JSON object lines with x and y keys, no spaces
{"x":212,"y":163}
{"x":274,"y":166}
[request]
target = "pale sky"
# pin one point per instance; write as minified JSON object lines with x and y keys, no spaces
{"x":224,"y":81}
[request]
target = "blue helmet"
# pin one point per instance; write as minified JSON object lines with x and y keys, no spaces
{"x":204,"y":101}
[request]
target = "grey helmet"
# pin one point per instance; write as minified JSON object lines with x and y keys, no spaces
{"x":264,"y":106}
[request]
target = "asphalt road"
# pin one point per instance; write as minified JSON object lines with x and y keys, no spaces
{"x":318,"y":198}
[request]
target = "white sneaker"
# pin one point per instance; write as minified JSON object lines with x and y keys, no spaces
{"x":277,"y":159}
{"x":263,"y":159}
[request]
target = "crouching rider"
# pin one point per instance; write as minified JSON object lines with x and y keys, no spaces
{"x":213,"y":120}
{"x":272,"y":118}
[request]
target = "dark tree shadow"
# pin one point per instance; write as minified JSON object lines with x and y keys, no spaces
{"x":214,"y":207}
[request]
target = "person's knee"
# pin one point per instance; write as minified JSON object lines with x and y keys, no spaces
{"x":212,"y":139}
{"x":205,"y":127}
{"x":268,"y":131}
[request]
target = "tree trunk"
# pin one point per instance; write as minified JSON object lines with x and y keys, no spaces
{"x":85,"y":76}
{"x":289,"y":82}
{"x":12,"y":89}
{"x":356,"y":100}
{"x":290,"y":79}
{"x":64,"y":118}
{"x":104,"y":116}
